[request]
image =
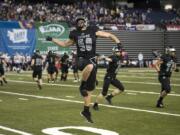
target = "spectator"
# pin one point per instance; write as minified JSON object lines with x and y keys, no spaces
{"x":140,"y":60}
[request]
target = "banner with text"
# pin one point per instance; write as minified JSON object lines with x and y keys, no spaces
{"x":55,"y":30}
{"x":173,"y":27}
{"x":14,"y":41}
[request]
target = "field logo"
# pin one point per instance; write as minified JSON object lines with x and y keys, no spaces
{"x":52,"y":29}
{"x":18,"y":35}
{"x":57,"y":130}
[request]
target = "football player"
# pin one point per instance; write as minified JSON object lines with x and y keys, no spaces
{"x":37,"y":65}
{"x":84,"y":37}
{"x":110,"y":78}
{"x":2,"y":72}
{"x":64,"y":67}
{"x":51,"y":67}
{"x":164,"y":67}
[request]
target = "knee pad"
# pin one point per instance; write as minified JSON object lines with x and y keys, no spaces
{"x":84,"y":93}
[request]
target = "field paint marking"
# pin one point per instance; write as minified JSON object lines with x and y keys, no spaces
{"x":23,"y":99}
{"x":141,"y":77}
{"x":81,"y":102}
{"x":14,"y":130}
{"x":119,"y":76}
{"x":131,"y":93}
{"x":70,"y":96}
{"x":76,"y":86}
{"x":0,"y":100}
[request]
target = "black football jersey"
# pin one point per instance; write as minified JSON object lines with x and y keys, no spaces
{"x":113,"y":66}
{"x":38,"y":60}
{"x":51,"y":60}
{"x":64,"y":59}
{"x":85,"y":41}
{"x":167,"y":65}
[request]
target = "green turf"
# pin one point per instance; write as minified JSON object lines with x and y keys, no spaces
{"x":30,"y":113}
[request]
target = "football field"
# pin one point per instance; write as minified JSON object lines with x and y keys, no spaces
{"x":55,"y":110}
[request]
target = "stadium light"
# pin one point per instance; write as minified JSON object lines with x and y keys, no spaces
{"x":168,"y":7}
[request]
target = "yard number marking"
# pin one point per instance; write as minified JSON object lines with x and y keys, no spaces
{"x":56,"y":130}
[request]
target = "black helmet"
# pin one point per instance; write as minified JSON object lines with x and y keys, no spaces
{"x":50,"y":52}
{"x":78,"y":18}
{"x":116,"y":49}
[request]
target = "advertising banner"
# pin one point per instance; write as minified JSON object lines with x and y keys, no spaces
{"x":173,"y":27}
{"x":55,"y":30}
{"x":9,"y":24}
{"x":142,"y":27}
{"x":14,"y":41}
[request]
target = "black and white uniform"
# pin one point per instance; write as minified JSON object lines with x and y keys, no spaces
{"x":37,"y":67}
{"x":86,"y":49}
{"x":110,"y":77}
{"x":165,"y":72}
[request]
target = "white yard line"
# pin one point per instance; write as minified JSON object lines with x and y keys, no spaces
{"x":77,"y":86}
{"x":14,"y":130}
{"x":131,"y":93}
{"x":81,"y":102}
{"x":150,"y":83}
{"x":102,"y":75}
{"x":141,"y":77}
{"x":23,"y":99}
{"x":70,"y":96}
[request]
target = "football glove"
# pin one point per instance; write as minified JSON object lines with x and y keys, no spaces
{"x":119,"y":45}
{"x":48,"y":38}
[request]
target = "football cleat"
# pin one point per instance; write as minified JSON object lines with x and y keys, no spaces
{"x":109,"y":100}
{"x":160,"y":105}
{"x":86,"y":115}
{"x":95,"y":107}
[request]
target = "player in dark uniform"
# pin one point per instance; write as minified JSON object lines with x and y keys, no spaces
{"x":37,"y":64}
{"x":84,"y":37}
{"x":2,"y":72}
{"x":164,"y":67}
{"x":110,"y":78}
{"x":51,"y":61}
{"x":64,"y":67}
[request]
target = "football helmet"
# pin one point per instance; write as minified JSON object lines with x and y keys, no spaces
{"x":81,"y":22}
